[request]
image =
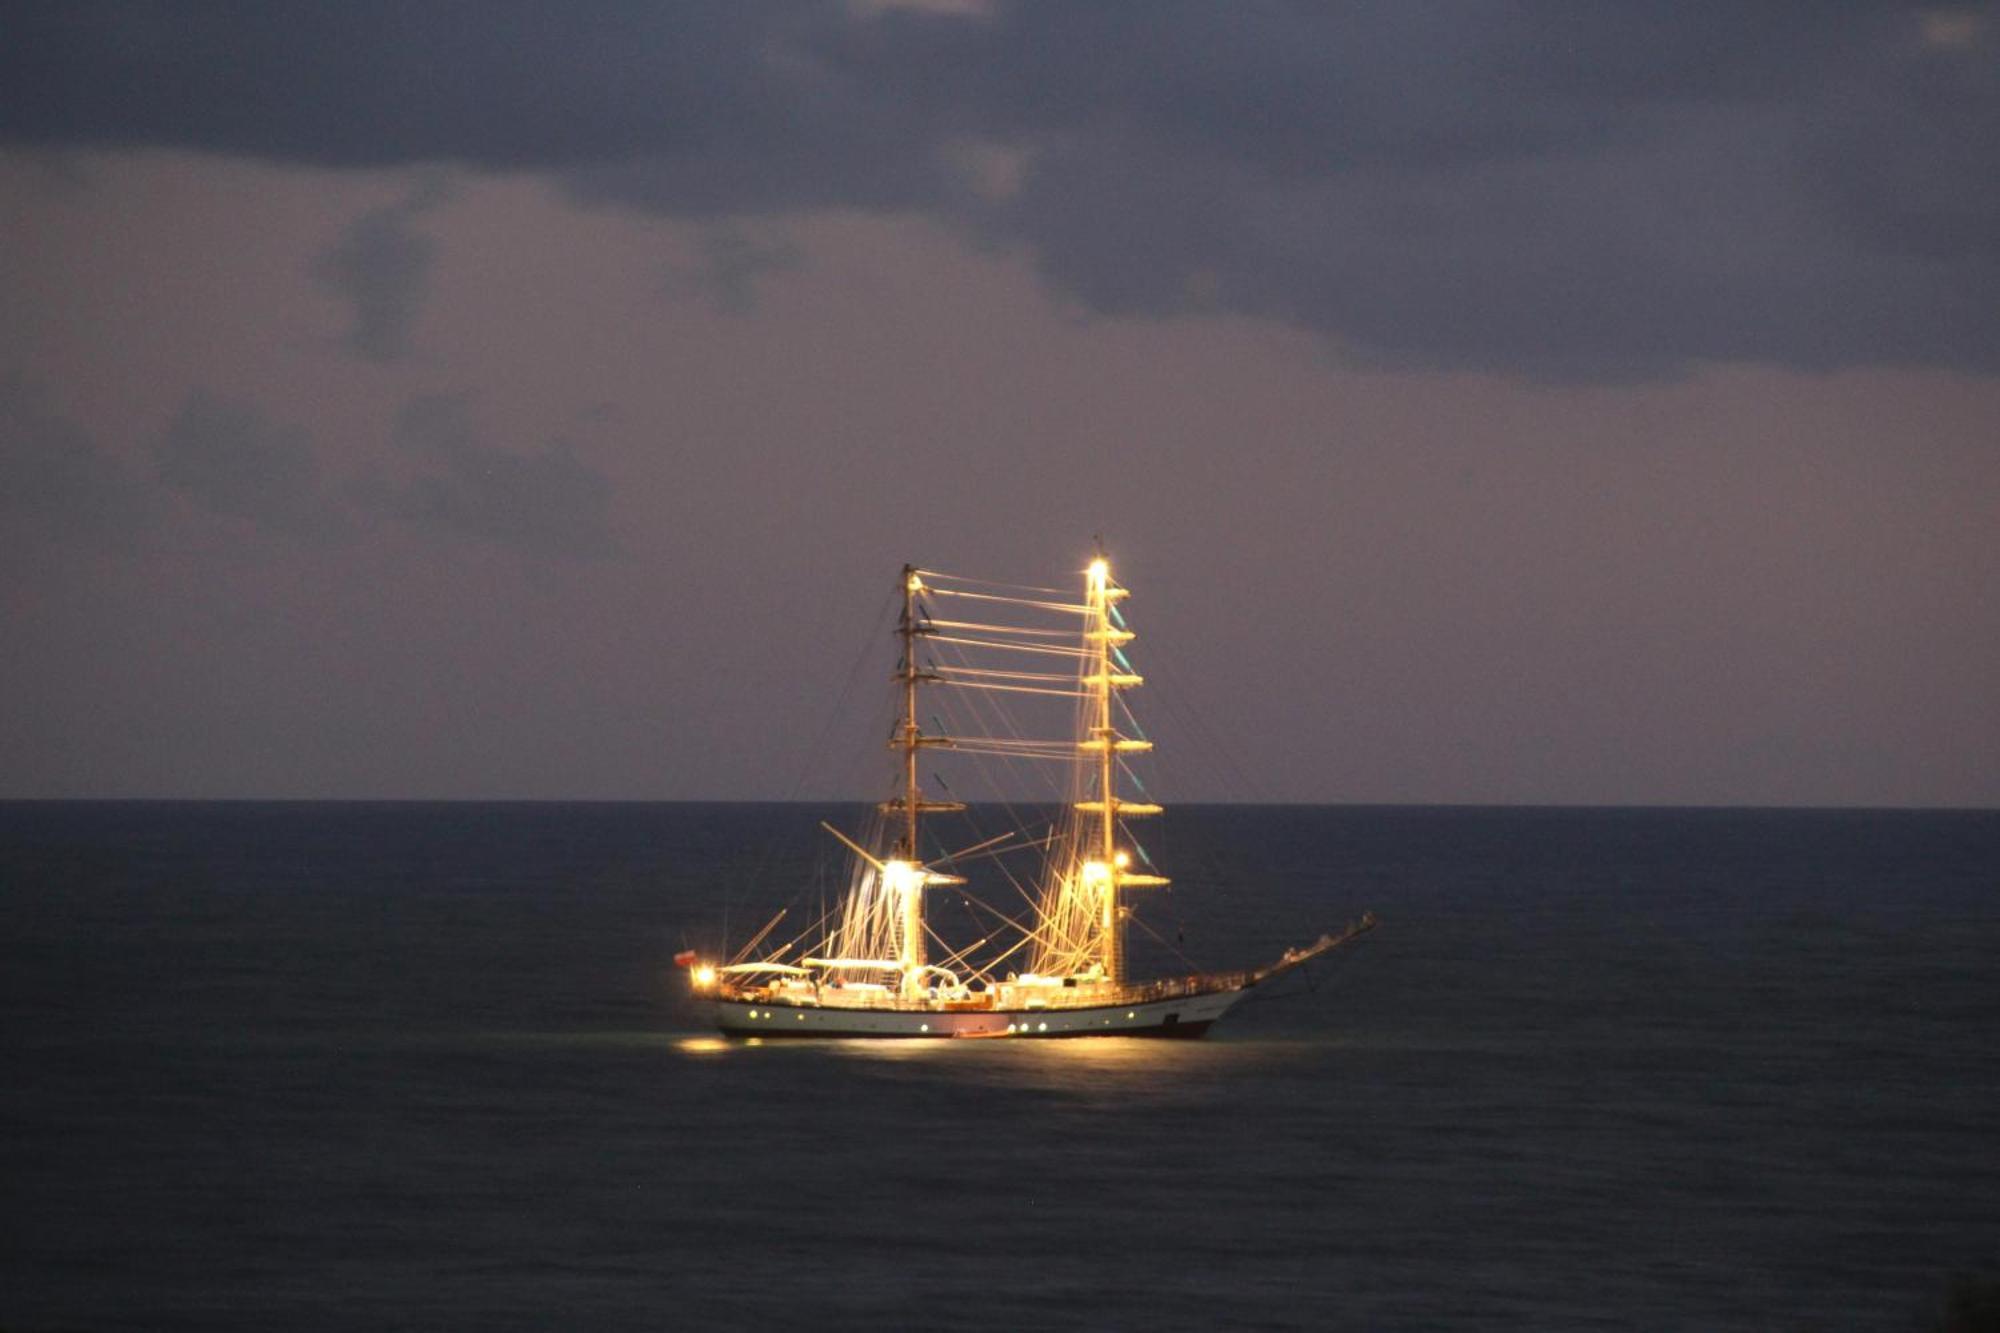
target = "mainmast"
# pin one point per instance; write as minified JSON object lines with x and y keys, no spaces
{"x":910,"y":734}
{"x":1106,"y":673}
{"x":903,"y":873}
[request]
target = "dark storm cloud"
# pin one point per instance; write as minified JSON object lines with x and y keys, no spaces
{"x":549,"y":503}
{"x":56,"y":480}
{"x":728,"y":104}
{"x":1563,"y":189}
{"x":232,"y":460}
{"x":382,"y":265}
{"x":1559,"y":190}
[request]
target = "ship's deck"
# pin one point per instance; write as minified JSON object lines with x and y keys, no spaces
{"x":1002,"y":997}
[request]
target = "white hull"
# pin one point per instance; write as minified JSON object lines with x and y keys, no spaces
{"x":1180,"y":1016}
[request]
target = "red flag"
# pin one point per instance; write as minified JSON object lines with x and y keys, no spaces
{"x":685,"y":958}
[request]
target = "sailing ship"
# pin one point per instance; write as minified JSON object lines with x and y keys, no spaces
{"x":1055,"y":963}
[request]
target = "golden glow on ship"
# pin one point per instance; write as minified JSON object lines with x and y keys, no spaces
{"x":866,"y":966}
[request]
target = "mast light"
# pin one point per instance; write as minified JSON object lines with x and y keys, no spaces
{"x":1100,"y":570}
{"x":902,"y":876}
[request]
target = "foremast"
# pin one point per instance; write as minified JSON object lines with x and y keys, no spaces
{"x":903,"y":873}
{"x":1105,"y":672}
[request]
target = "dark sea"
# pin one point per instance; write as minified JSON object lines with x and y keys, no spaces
{"x":427,"y":1066}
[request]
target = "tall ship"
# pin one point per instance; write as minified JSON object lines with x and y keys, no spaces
{"x":1071,"y":872}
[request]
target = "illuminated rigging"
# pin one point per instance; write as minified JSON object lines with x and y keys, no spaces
{"x":1058,"y":954}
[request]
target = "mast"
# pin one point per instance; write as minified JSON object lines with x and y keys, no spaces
{"x":912,"y":737}
{"x":903,"y":873}
{"x":1112,"y":931}
{"x":1108,"y":869}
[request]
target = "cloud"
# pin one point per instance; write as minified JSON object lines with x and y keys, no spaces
{"x":549,"y":503}
{"x":1554,"y":191}
{"x":231,"y":460}
{"x":382,"y":266}
{"x":731,"y":262}
{"x":57,"y":481}
{"x":511,"y":84}
{"x":1543,"y":189}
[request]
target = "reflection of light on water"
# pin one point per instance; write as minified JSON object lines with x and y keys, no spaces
{"x":899,"y":1050}
{"x":1133,"y":1071}
{"x":1121,"y":1067}
{"x":1112,"y":1052}
{"x":1129,"y":1069}
{"x":902,"y":1049}
{"x":701,"y":1045}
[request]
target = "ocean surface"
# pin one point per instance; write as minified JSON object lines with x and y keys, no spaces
{"x":388,"y":1066}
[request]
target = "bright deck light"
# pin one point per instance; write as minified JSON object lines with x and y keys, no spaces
{"x":704,"y":977}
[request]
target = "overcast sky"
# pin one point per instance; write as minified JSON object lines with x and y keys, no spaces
{"x":1496,"y":402}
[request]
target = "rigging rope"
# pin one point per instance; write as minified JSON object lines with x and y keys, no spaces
{"x":1013,"y":647}
{"x":1066,"y":608}
{"x":990,"y":583}
{"x":931,"y":622}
